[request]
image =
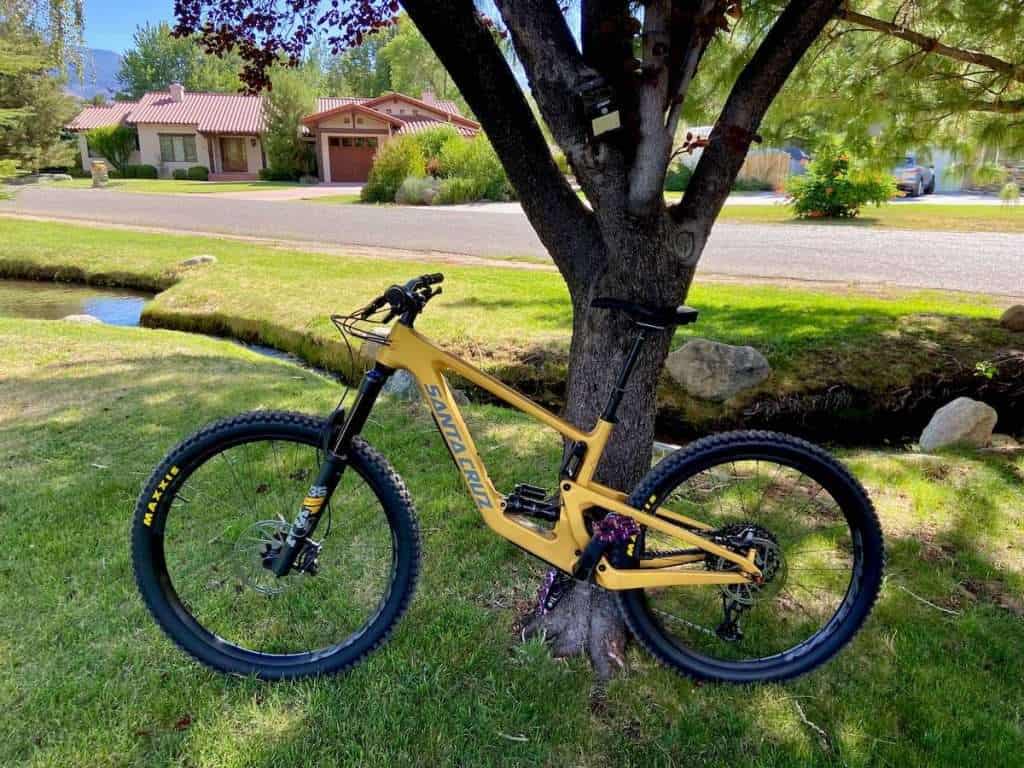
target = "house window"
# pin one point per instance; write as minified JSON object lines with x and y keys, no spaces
{"x":346,"y":141}
{"x":177,"y":148}
{"x":332,"y":141}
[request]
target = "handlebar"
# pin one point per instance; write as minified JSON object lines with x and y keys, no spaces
{"x":405,"y":301}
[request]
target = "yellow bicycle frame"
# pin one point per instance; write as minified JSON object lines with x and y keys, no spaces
{"x":561,"y":546}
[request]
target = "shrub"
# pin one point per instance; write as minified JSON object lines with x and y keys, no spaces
{"x":114,"y":143}
{"x":139,"y":172}
{"x":416,"y":190}
{"x":458,"y":189}
{"x":832,"y":189}
{"x":751,"y":184}
{"x":475,"y":160}
{"x":432,"y":139}
{"x":279,"y":174}
{"x":1010,"y":193}
{"x":678,"y":177}
{"x":398,"y":159}
{"x":198,"y":173}
{"x":180,"y":174}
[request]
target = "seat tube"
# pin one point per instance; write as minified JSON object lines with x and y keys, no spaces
{"x":615,"y":398}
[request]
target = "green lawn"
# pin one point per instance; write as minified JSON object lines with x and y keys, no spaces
{"x":334,"y":199}
{"x":952,"y":217}
{"x":86,"y":411}
{"x":514,"y":322}
{"x":177,"y":186}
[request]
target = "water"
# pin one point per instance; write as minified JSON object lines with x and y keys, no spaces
{"x":52,"y":301}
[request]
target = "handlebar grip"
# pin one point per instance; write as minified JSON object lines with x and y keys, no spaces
{"x":433,"y":279}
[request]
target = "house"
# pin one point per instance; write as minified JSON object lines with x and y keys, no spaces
{"x":223,"y":132}
{"x":348,"y":131}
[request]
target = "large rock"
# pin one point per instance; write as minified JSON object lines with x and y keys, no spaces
{"x":961,"y":422}
{"x":1013,"y":318}
{"x":402,"y":386}
{"x":713,"y":371}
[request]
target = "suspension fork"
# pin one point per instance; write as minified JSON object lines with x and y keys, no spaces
{"x":332,"y":468}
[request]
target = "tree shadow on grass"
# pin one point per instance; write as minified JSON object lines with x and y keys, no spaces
{"x":455,"y":686}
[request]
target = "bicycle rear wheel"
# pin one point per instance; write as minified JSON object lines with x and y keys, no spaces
{"x":817,"y":541}
{"x":208,"y":522}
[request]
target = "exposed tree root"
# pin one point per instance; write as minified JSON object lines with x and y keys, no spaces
{"x":585,"y":621}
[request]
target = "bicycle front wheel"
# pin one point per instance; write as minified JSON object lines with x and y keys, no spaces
{"x":812,"y":531}
{"x":210,"y":518}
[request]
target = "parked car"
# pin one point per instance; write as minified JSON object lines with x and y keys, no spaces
{"x":914,"y":178}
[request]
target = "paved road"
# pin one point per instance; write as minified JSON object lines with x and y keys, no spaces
{"x":978,"y":262}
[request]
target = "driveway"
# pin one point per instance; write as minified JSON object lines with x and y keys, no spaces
{"x":976,"y":262}
{"x":292,"y":193}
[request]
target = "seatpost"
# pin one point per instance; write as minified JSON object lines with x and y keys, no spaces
{"x":619,"y":389}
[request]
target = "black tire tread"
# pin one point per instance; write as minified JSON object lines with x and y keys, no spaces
{"x":673,"y":463}
{"x":374,"y":460}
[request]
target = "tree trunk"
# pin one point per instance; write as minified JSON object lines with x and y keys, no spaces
{"x":646,"y":263}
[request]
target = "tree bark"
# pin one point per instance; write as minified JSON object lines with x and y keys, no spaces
{"x":648,"y":262}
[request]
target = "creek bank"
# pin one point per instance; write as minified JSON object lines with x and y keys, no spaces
{"x":835,"y":412}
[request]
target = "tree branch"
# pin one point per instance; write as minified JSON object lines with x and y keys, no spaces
{"x":468,"y":50}
{"x":647,"y":173}
{"x":757,"y":86}
{"x":556,"y":70}
{"x":933,"y":45}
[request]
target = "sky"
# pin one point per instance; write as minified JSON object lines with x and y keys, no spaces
{"x":110,"y":24}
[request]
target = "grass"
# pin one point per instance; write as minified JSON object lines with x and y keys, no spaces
{"x":334,"y":199}
{"x":514,"y":322}
{"x":920,"y":216}
{"x":85,"y":413}
{"x":177,"y":186}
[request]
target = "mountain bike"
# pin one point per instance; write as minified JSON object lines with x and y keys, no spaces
{"x":742,"y":557}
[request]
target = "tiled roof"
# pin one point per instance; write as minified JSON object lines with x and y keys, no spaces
{"x":327,"y":103}
{"x":415,"y":126}
{"x":101,"y":117}
{"x":446,"y":105}
{"x":208,"y":112}
{"x":235,"y":113}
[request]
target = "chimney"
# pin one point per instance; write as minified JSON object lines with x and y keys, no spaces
{"x":177,"y":91}
{"x":427,"y":96}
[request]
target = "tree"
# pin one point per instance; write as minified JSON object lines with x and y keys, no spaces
{"x":115,"y":143}
{"x":628,"y":244}
{"x":33,"y":105}
{"x":361,"y":70}
{"x":890,"y":75}
{"x":158,"y":59}
{"x":413,"y":66}
{"x":292,"y":97}
{"x":57,"y":24}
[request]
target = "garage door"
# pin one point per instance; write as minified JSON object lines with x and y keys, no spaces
{"x":351,"y":157}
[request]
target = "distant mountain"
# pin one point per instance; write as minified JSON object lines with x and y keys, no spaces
{"x":99,"y":76}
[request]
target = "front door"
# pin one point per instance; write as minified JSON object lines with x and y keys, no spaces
{"x":351,"y":157}
{"x":232,"y":155}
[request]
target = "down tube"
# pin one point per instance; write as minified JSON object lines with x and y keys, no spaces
{"x":456,"y":434}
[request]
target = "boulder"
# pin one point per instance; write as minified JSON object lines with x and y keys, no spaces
{"x":1013,"y":318}
{"x":713,"y":371}
{"x":202,"y":258}
{"x":402,"y":386}
{"x":83,"y":319}
{"x":961,"y":422}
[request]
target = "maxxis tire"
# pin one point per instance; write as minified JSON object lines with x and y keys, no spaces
{"x":158,"y":594}
{"x":860,"y":514}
